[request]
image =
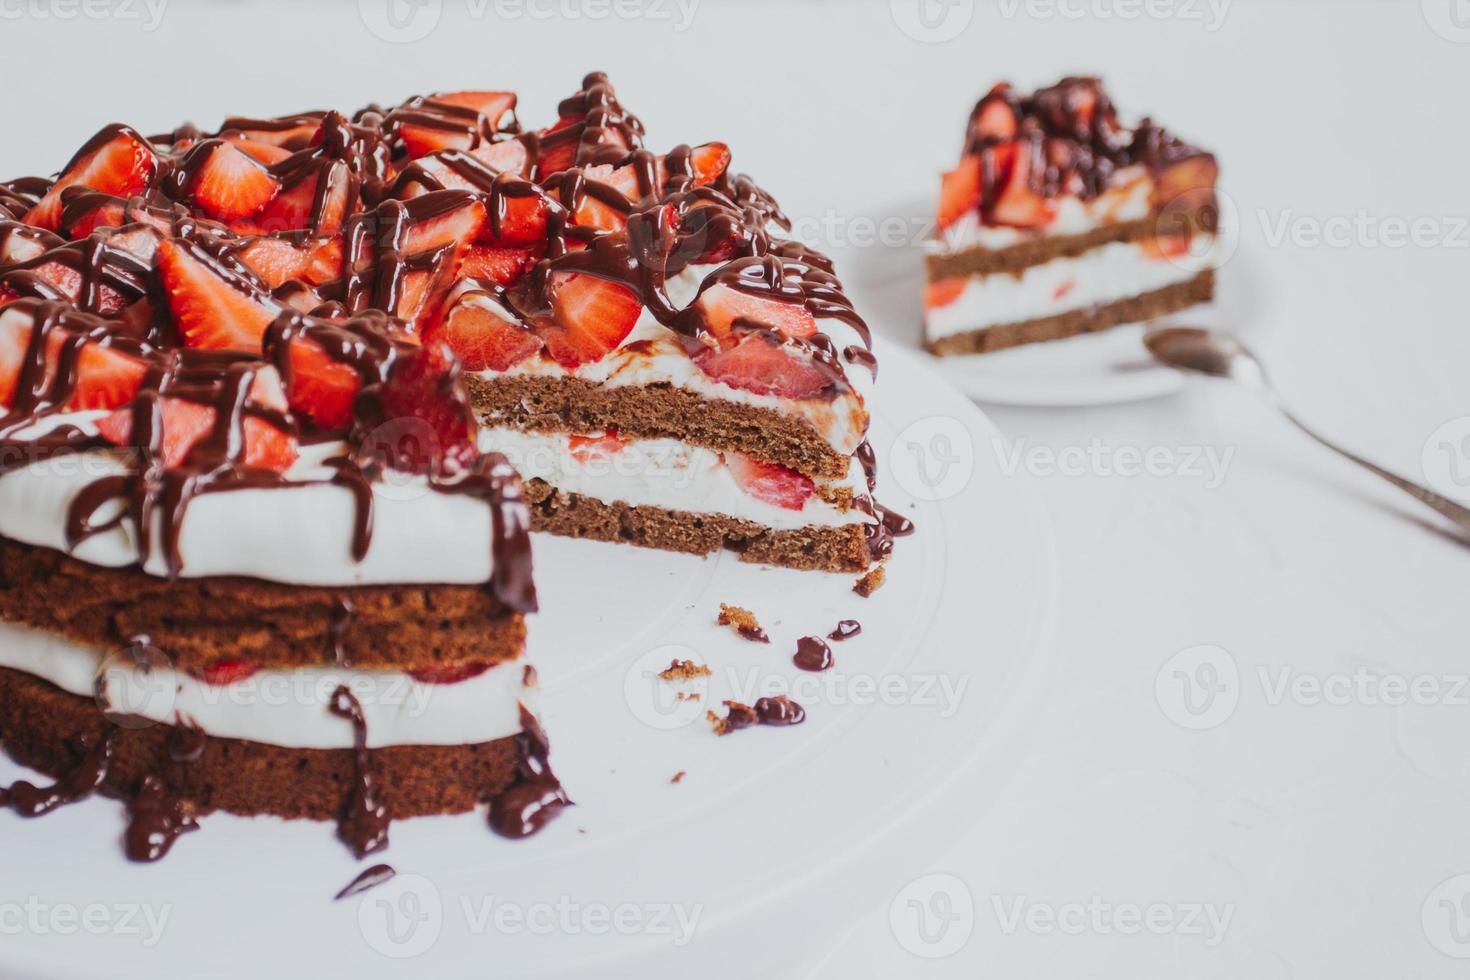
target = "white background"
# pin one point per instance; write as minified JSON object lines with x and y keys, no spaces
{"x":1321,"y":829}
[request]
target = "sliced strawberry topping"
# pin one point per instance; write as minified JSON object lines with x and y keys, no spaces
{"x":227,"y":671}
{"x":762,"y":364}
{"x":1018,"y":205}
{"x":944,"y":292}
{"x":276,"y":260}
{"x":321,"y":387}
{"x":458,"y":226}
{"x":229,"y":184}
{"x":15,"y":342}
{"x":123,"y":165}
{"x":1187,"y":183}
{"x":266,"y":153}
{"x":506,"y":156}
{"x":559,"y":154}
{"x":209,"y":310}
{"x":185,"y":423}
{"x":959,"y":193}
{"x":589,"y":449}
{"x":994,"y":118}
{"x":724,"y":308}
{"x":492,"y":105}
{"x":483,"y":338}
{"x":591,"y":317}
{"x":101,"y":211}
{"x":106,"y":379}
{"x":770,"y":482}
{"x":501,"y":266}
{"x":294,"y":208}
{"x":1165,"y":246}
{"x":416,"y":402}
{"x":448,"y":674}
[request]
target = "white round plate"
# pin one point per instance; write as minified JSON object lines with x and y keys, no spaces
{"x":772,"y":841}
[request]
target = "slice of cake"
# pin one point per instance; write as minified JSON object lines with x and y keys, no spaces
{"x":250,"y":560}
{"x":661,"y":365}
{"x":1060,"y":221}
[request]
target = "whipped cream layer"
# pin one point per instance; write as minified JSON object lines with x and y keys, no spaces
{"x":289,"y":708}
{"x":299,"y":535}
{"x":652,"y":354}
{"x":1101,"y":275}
{"x":1129,"y":199}
{"x":663,"y":473}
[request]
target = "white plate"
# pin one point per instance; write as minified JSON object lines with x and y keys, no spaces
{"x":775,"y":838}
{"x":1096,"y":369}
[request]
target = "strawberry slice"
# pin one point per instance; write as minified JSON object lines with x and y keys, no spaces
{"x":227,"y":671}
{"x":85,"y":213}
{"x":944,"y":292}
{"x":416,"y":395}
{"x":959,"y":192}
{"x":770,"y":482}
{"x":760,"y":363}
{"x":458,"y":225}
{"x":994,"y":119}
{"x":106,"y":379}
{"x":266,"y":153}
{"x":481,"y":335}
{"x":559,"y":153}
{"x":229,"y":184}
{"x":1187,"y":183}
{"x":294,"y":208}
{"x":15,"y":343}
{"x":321,"y":387}
{"x":290,"y":132}
{"x":724,"y":307}
{"x":592,"y":449}
{"x":1018,"y":205}
{"x":492,"y":105}
{"x":590,"y":317}
{"x":448,"y":674}
{"x":279,"y":259}
{"x":122,"y":165}
{"x":46,"y":277}
{"x":185,"y":423}
{"x":501,"y":266}
{"x":506,"y":156}
{"x":210,"y":311}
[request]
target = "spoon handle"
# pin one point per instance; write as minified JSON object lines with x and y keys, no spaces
{"x":1460,"y":515}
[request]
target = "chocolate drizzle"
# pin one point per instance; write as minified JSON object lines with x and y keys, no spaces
{"x":370,"y":878}
{"x":845,"y":630}
{"x":1069,"y":133}
{"x":87,"y":776}
{"x":536,"y":795}
{"x":364,"y":823}
{"x":343,"y":614}
{"x":813,"y":654}
{"x":157,"y":817}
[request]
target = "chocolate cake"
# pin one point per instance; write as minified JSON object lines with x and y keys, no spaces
{"x":263,"y":543}
{"x":1061,"y":221}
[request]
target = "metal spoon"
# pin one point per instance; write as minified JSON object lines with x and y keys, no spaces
{"x":1222,"y":356}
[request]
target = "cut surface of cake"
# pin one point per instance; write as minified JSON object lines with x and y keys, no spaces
{"x":1061,"y":221}
{"x":662,"y":366}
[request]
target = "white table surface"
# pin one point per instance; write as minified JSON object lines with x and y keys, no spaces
{"x":1322,"y":831}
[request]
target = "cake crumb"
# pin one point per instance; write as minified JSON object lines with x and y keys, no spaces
{"x":870,"y":582}
{"x":687,"y":696}
{"x":678,"y":777}
{"x":744,"y":622}
{"x":684,"y":670}
{"x":737,"y":716}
